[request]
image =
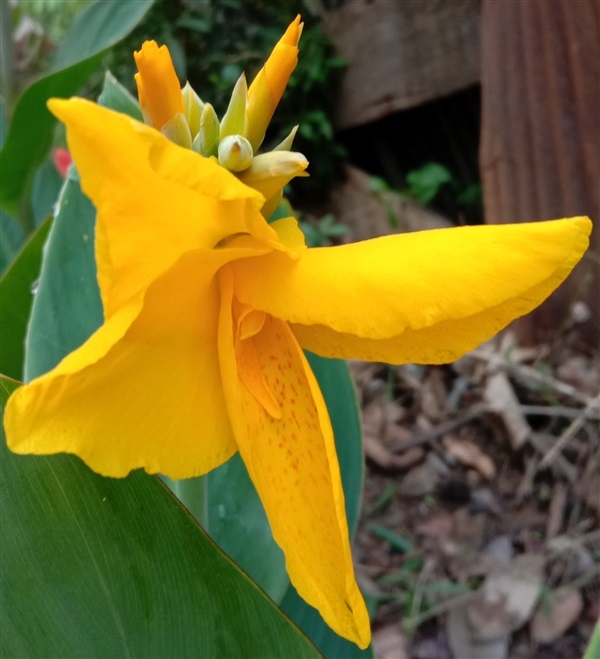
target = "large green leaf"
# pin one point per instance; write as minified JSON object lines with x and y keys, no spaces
{"x":67,"y":307}
{"x":99,"y":27}
{"x":17,"y":287}
{"x":101,"y":567}
{"x":11,"y":239}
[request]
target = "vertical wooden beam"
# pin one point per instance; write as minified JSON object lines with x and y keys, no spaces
{"x":540,"y":148}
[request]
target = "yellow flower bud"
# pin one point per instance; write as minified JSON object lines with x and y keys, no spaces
{"x":267,"y":88}
{"x":159,"y":92}
{"x":270,"y":172}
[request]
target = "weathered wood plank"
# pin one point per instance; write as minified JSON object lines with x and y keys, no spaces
{"x":402,"y":53}
{"x":540,"y":150}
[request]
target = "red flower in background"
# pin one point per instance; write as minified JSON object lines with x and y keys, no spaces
{"x":61,"y":159}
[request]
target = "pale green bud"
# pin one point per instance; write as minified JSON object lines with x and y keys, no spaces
{"x":235,"y":153}
{"x":234,"y":120}
{"x":270,"y":172}
{"x":178,"y":131}
{"x":193,"y":108}
{"x":286,"y":145}
{"x":206,"y":141}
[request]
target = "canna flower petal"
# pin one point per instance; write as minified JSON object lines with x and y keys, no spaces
{"x":132,"y":396}
{"x":194,"y":201}
{"x":424,"y":297}
{"x":158,"y":86}
{"x":285,"y":438}
{"x":267,"y":88}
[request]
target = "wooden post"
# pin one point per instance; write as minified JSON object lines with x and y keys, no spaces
{"x":540,"y":149}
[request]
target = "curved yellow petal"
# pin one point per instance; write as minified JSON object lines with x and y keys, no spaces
{"x":267,"y":88}
{"x":159,"y":92}
{"x":155,"y":200}
{"x":428,"y":296}
{"x":145,"y":390}
{"x":284,"y":436}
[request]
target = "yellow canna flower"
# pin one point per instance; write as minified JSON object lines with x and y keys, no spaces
{"x":207,"y":309}
{"x":158,"y":87}
{"x":266,"y":90}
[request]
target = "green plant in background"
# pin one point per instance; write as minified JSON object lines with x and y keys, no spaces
{"x":425,"y":185}
{"x":324,"y":231}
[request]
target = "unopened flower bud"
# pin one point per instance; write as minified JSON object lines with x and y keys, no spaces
{"x":207,"y":139}
{"x":270,"y":172}
{"x":235,"y":153}
{"x":193,"y":108}
{"x":286,"y":145}
{"x":234,"y":120}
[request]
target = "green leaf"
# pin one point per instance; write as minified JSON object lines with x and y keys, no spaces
{"x":16,"y":293}
{"x":116,"y":97}
{"x":11,"y":238}
{"x":102,"y":567}
{"x":47,"y":183}
{"x":99,"y":26}
{"x":398,"y":542}
{"x":67,"y":308}
{"x":593,"y":649}
{"x":30,"y":131}
{"x":424,"y":183}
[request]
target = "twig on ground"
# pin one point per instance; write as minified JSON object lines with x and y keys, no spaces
{"x":569,"y":433}
{"x":526,"y":373}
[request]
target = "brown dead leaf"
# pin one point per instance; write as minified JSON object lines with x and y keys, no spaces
{"x":464,"y":644}
{"x":507,"y":599}
{"x":434,"y":394}
{"x":470,"y":454}
{"x":438,"y":526}
{"x":419,"y":481}
{"x":389,"y":643}
{"x":373,"y":418}
{"x":552,"y":618}
{"x":581,"y":372}
{"x":376,"y":451}
{"x":501,"y":399}
{"x":395,"y":434}
{"x":556,"y":510}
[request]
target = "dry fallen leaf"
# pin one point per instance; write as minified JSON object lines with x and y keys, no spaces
{"x":463,"y":643}
{"x":470,"y":454}
{"x":376,"y":451}
{"x":439,"y":525}
{"x":507,"y":599}
{"x":420,"y":481}
{"x":389,"y":643}
{"x":553,"y":617}
{"x":501,"y":398}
